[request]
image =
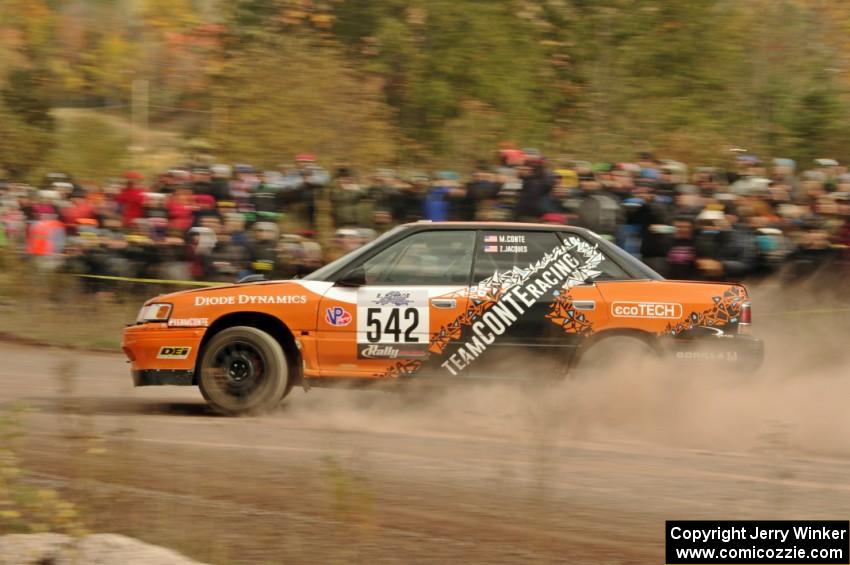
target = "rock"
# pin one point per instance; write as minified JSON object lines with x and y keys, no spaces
{"x":95,"y":549}
{"x":26,"y":549}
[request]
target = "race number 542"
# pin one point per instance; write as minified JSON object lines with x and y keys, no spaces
{"x":395,"y":325}
{"x":392,"y":316}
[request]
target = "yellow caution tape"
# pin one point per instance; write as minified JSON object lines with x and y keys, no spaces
{"x":153,"y":281}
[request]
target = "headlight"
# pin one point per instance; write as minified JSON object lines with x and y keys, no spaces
{"x":156,"y":312}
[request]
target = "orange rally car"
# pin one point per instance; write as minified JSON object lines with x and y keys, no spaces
{"x":452,"y":300}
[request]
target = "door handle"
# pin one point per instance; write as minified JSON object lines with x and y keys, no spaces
{"x":584,"y":305}
{"x":445,"y":303}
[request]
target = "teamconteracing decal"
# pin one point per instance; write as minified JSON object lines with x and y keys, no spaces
{"x":499,"y":300}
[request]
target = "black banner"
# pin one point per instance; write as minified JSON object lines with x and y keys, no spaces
{"x":756,"y":541}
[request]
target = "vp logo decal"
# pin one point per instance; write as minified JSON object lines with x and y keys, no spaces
{"x":337,"y":316}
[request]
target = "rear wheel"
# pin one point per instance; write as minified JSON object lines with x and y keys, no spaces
{"x":620,"y":353}
{"x":243,"y":370}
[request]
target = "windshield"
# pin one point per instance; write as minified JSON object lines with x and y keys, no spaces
{"x":332,"y":267}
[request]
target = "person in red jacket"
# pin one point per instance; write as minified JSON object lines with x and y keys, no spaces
{"x":80,"y":209}
{"x":181,"y":210}
{"x":131,"y":198}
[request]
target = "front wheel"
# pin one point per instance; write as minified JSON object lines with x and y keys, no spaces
{"x":243,"y":370}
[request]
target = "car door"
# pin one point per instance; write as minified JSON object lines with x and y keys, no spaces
{"x":542,"y":310}
{"x":403,"y":320}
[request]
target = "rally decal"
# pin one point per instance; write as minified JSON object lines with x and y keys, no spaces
{"x":725,"y":311}
{"x":376,"y":351}
{"x":498,"y":301}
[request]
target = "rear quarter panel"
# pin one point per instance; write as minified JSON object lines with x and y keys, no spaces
{"x":670,"y":307}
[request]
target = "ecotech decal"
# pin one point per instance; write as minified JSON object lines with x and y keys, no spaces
{"x":669,"y":310}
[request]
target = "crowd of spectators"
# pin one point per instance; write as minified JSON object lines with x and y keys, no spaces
{"x":215,"y":222}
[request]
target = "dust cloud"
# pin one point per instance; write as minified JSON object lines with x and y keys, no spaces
{"x":794,"y":404}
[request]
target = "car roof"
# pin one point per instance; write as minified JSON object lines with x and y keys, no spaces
{"x":428,"y":224}
{"x":334,"y":268}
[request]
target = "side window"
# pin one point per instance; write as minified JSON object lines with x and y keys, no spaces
{"x":610,"y":270}
{"x":440,"y":257}
{"x":502,"y":250}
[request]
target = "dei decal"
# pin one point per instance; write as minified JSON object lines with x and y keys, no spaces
{"x":499,"y":301}
{"x":173,"y":352}
{"x":390,"y":317}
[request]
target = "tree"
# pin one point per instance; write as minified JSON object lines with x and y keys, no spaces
{"x":88,"y":147}
{"x":439,"y":58}
{"x":290,"y":95}
{"x":26,"y":126}
{"x":22,"y":145}
{"x":816,"y":125}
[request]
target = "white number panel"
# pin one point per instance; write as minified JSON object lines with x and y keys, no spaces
{"x":389,"y":316}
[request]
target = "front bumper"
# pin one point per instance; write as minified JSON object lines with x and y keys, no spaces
{"x":740,"y":351}
{"x":161,"y":355}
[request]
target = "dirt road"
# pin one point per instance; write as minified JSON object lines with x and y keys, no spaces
{"x":582,"y":472}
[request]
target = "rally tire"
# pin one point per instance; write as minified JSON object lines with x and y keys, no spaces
{"x":243,"y":370}
{"x":619,"y":353}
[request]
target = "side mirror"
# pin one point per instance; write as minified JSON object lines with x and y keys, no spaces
{"x":355,"y":277}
